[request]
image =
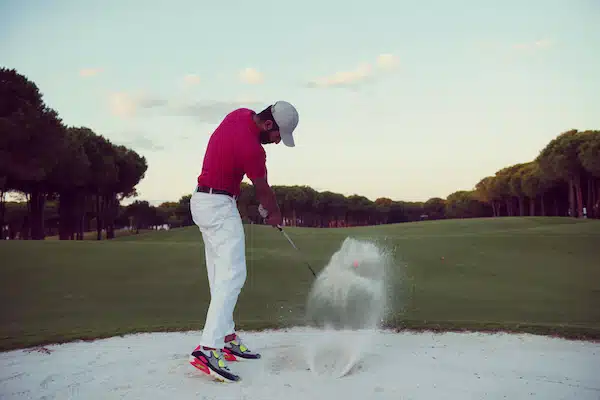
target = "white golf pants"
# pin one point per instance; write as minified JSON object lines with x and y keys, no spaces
{"x":219,"y":221}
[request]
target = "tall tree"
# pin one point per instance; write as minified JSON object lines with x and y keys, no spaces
{"x":560,"y":160}
{"x":69,"y":179}
{"x":383,"y":207}
{"x":515,"y":185}
{"x":465,"y":204}
{"x":589,"y":157}
{"x":31,"y":134}
{"x":131,"y":169}
{"x":435,"y":208}
{"x":503,"y":188}
{"x":486,"y":191}
{"x":183,"y":210}
{"x":104,"y":174}
{"x":534,"y":187}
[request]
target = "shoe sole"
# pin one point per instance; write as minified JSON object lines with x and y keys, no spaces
{"x":198,"y":364}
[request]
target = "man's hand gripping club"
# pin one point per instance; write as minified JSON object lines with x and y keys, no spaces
{"x":268,"y":208}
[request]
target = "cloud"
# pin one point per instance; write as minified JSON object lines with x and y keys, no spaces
{"x":209,"y":111}
{"x":122,"y":104}
{"x":343,"y":78}
{"x":538,"y":44}
{"x":251,"y":76}
{"x":191,"y":79}
{"x":149,"y":102}
{"x":88,"y":72}
{"x":387,"y":61}
{"x":361,"y":74}
{"x":140,"y":142}
{"x":128,"y":105}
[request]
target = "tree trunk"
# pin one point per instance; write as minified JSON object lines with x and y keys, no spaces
{"x":79,"y":216}
{"x":532,"y":206}
{"x":543,"y":205}
{"x":521,"y":206}
{"x":2,"y":213}
{"x":579,"y":197}
{"x":596,"y":204}
{"x":66,"y":205}
{"x":37,"y":201}
{"x":591,"y":191}
{"x":81,"y":226}
{"x":111,"y":212}
{"x":110,"y":231}
{"x":98,"y":217}
{"x":571,"y":186}
{"x":110,"y":218}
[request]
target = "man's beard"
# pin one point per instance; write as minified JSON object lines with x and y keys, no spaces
{"x":264,"y":137}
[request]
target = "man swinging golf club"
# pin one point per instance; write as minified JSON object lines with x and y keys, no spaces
{"x":235,"y":149}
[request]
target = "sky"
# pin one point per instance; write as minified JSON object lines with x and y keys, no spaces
{"x":400,"y":99}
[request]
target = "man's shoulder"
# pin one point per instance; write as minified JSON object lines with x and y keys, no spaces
{"x":235,"y":120}
{"x":240,"y":113}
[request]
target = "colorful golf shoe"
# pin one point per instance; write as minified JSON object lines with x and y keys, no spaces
{"x":235,"y":349}
{"x":212,"y":363}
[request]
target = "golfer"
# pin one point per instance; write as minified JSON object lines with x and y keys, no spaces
{"x":235,"y":149}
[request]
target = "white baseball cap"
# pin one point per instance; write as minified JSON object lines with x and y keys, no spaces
{"x":286,"y":117}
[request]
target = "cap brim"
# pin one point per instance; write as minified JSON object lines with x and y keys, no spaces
{"x":287,"y":139}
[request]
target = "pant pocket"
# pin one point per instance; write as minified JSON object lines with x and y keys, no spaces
{"x":208,"y":210}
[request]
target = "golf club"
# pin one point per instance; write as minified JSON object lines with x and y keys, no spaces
{"x":294,"y":246}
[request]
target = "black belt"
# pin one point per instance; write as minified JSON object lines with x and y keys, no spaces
{"x":206,"y":189}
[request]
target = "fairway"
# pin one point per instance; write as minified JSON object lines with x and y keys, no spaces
{"x":539,"y":275}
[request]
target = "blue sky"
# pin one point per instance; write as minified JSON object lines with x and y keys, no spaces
{"x":402,"y":99}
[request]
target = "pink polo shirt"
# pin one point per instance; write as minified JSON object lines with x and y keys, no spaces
{"x":234,"y":149}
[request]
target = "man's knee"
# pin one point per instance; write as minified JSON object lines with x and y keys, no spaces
{"x":231,"y":267}
{"x":237,"y":273}
{"x":230,"y":282}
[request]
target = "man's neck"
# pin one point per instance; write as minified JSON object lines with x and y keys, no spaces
{"x":256,"y":120}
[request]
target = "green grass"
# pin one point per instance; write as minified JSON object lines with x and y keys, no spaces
{"x":538,"y":275}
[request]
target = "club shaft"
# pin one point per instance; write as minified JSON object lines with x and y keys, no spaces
{"x":289,"y":239}
{"x":294,"y":246}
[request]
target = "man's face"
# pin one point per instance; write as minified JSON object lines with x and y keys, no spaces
{"x":270,"y":133}
{"x":267,"y":137}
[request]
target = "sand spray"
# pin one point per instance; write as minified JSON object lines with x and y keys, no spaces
{"x":347,"y":304}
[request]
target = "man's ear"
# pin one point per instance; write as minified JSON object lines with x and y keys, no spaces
{"x":268,"y":125}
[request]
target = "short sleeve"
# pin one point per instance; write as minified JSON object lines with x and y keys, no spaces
{"x":255,"y":162}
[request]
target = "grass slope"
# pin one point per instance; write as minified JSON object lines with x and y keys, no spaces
{"x":539,"y":275}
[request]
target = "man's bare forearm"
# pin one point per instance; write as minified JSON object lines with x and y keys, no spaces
{"x":266,"y":196}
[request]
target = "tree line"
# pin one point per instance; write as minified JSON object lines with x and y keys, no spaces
{"x":564,"y":179}
{"x":74,"y":181}
{"x":46,"y":160}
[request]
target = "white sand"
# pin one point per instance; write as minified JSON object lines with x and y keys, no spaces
{"x":397,"y":366}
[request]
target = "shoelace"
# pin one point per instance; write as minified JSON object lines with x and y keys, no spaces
{"x":238,"y":342}
{"x":218,"y":354}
